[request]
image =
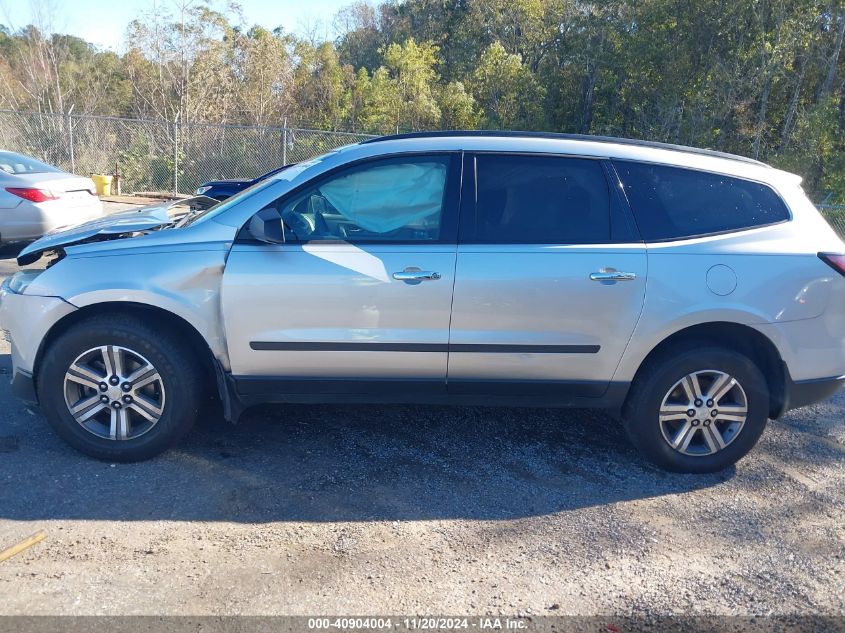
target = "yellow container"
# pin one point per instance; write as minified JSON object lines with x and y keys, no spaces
{"x":103,"y":184}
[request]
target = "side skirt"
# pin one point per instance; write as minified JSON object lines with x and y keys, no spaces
{"x":242,"y":392}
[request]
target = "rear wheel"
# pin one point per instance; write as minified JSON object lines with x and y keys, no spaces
{"x":697,"y":409}
{"x":117,"y":389}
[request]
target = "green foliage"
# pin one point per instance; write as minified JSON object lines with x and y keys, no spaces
{"x":458,"y":108}
{"x":144,"y":168}
{"x":323,"y":98}
{"x":816,"y":150}
{"x":410,"y":68}
{"x":759,"y":78}
{"x":508,"y":92}
{"x":402,"y":93}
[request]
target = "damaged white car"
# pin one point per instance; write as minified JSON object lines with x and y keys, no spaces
{"x":695,"y":293}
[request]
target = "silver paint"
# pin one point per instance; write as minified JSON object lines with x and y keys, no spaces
{"x":526,"y":295}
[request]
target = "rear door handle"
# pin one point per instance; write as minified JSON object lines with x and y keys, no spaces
{"x":611,"y":274}
{"x":415,"y":275}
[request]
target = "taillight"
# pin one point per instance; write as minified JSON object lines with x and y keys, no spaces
{"x":835,"y":261}
{"x":33,"y":195}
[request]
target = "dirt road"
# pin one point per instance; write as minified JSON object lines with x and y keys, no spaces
{"x":393,"y":510}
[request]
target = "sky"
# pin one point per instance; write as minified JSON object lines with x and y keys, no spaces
{"x":103,"y":22}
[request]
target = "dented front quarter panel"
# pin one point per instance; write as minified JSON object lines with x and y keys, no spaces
{"x":175,"y":269}
{"x":177,"y":273}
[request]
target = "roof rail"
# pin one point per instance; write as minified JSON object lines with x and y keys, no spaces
{"x":566,"y":137}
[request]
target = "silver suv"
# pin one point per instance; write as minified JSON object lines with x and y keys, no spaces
{"x":695,"y":293}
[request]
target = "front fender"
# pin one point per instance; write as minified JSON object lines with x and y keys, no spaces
{"x":184,"y":283}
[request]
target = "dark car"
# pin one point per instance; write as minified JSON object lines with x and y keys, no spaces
{"x":222,"y":189}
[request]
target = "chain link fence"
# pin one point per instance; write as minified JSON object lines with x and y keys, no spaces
{"x":833,"y":213}
{"x":835,"y":216}
{"x":157,"y":155}
{"x":177,"y":157}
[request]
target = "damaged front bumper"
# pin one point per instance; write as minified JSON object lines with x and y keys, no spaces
{"x":26,"y":321}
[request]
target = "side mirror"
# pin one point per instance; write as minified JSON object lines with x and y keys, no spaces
{"x":267,"y":226}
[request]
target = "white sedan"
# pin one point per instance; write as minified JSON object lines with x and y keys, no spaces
{"x":36,"y":198}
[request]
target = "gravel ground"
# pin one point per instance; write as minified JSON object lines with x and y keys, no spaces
{"x":427,"y":510}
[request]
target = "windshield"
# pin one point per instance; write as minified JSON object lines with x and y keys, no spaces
{"x":178,"y":211}
{"x":200,"y":214}
{"x":273,"y":172}
{"x":12,"y":163}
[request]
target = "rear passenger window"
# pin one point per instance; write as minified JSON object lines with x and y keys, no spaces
{"x":540,"y":200}
{"x":673,"y":203}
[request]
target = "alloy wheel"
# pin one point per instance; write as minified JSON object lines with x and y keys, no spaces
{"x":703,"y":412}
{"x":114,"y":392}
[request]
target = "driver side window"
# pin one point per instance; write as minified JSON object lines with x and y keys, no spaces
{"x":390,"y":200}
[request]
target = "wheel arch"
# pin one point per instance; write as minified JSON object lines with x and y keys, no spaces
{"x":158,"y":316}
{"x":735,"y":336}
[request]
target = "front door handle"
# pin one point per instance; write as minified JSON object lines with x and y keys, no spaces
{"x":415,"y":275}
{"x":611,"y":274}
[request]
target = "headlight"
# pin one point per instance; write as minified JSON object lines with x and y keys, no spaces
{"x":21,"y":279}
{"x":202,"y":190}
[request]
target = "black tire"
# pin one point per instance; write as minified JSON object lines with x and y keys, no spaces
{"x":653,"y":382}
{"x":176,"y":363}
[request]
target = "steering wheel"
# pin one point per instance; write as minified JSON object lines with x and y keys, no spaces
{"x":299,"y":223}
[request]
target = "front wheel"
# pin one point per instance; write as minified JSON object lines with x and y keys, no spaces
{"x":697,"y":409}
{"x":117,"y":389}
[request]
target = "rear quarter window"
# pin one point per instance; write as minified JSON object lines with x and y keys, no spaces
{"x":674,"y":203}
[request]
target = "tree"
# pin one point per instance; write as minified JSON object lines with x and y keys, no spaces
{"x":411,"y":67}
{"x":764,"y":78}
{"x":179,"y":65}
{"x":263,"y":72}
{"x":507,"y":91}
{"x":321,"y":86}
{"x":361,"y":36}
{"x":458,"y":108}
{"x":400,"y":94}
